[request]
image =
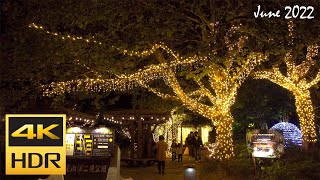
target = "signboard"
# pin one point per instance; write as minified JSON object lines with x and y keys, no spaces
{"x":265,"y":143}
{"x":92,"y":165}
{"x":101,"y":144}
{"x":70,"y":144}
{"x":89,"y":151}
{"x":90,"y":142}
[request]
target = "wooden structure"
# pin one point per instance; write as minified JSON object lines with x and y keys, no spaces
{"x":139,"y":122}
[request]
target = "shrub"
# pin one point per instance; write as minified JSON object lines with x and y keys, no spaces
{"x":294,"y":164}
{"x":239,"y":167}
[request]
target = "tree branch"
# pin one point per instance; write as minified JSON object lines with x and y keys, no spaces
{"x":190,"y":103}
{"x":158,"y":93}
{"x":205,"y":91}
{"x":314,"y":81}
{"x":305,"y":66}
{"x":291,"y":68}
{"x":164,"y":96}
{"x":276,"y":77}
{"x":253,"y":60}
{"x":216,"y":74}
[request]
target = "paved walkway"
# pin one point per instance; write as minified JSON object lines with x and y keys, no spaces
{"x":174,"y":171}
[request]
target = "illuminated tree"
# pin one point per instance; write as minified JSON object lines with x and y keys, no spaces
{"x":217,"y":82}
{"x":296,"y":81}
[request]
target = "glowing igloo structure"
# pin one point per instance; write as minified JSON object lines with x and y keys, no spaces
{"x":291,"y":133}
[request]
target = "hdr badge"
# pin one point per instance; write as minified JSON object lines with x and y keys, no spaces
{"x":35,"y":144}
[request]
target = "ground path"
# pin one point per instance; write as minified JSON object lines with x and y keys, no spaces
{"x":174,"y":170}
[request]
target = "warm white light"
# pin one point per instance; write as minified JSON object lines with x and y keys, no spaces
{"x":223,"y":79}
{"x":295,"y":81}
{"x":103,"y":130}
{"x":74,"y":130}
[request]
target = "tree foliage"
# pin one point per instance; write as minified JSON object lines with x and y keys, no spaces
{"x":32,"y":58}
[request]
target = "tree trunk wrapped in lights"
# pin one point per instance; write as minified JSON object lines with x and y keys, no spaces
{"x":224,"y":136}
{"x":295,"y":81}
{"x":224,"y":80}
{"x":305,"y":112}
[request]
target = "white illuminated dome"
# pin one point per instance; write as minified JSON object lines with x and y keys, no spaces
{"x":291,"y":133}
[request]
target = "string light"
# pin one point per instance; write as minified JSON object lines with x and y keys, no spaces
{"x":144,"y":53}
{"x":296,"y":83}
{"x":71,"y":120}
{"x":211,"y":147}
{"x":290,"y":29}
{"x":224,"y":79}
{"x":126,"y":133}
{"x":91,"y":83}
{"x":120,"y":83}
{"x":291,"y":133}
{"x":112,"y":120}
{"x":225,"y":82}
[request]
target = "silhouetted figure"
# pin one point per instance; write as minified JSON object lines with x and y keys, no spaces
{"x":154,"y":148}
{"x":190,"y":144}
{"x":197,"y":143}
{"x":179,"y":152}
{"x":174,"y":150}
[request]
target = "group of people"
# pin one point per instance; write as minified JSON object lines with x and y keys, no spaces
{"x":193,"y":143}
{"x":176,"y":149}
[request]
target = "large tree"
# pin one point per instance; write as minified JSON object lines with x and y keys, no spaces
{"x":296,"y":81}
{"x":220,"y":89}
{"x":298,"y":76}
{"x":196,"y":29}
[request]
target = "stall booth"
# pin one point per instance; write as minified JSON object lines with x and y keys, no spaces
{"x":140,"y":125}
{"x":89,"y":151}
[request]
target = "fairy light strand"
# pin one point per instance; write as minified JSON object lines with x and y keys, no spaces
{"x":296,"y":83}
{"x":225,"y":80}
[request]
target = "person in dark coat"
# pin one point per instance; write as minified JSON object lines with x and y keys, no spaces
{"x":174,"y":150}
{"x":190,"y":144}
{"x":197,"y":143}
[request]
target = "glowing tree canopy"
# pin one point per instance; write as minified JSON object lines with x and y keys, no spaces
{"x":291,"y":133}
{"x":296,"y":81}
{"x":218,"y":83}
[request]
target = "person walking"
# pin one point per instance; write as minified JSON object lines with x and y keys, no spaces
{"x":197,"y":144}
{"x":161,"y":154}
{"x":179,"y":152}
{"x":174,"y":150}
{"x":190,"y":144}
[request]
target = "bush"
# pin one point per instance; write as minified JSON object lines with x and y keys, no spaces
{"x":294,"y":164}
{"x":241,"y":167}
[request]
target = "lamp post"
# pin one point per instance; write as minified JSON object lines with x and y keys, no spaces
{"x":190,"y":173}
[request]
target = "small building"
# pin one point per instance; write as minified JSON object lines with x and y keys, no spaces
{"x":140,"y":124}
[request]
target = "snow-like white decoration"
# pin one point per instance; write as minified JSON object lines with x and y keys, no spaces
{"x":291,"y":133}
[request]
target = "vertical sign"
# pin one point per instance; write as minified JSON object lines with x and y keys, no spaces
{"x":35,"y":144}
{"x":70,"y":144}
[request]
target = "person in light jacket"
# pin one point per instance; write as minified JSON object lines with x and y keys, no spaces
{"x":180,"y":152}
{"x":161,"y":154}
